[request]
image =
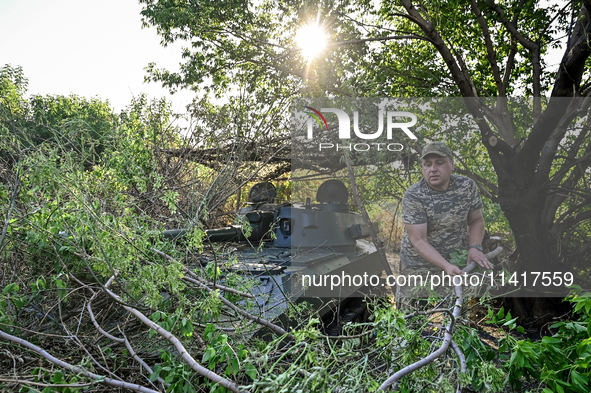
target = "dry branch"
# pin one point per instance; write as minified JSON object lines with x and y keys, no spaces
{"x":75,"y":369}
{"x":201,"y":281}
{"x":448,"y":335}
{"x":180,"y":348}
{"x":117,"y":339}
{"x":205,"y":285}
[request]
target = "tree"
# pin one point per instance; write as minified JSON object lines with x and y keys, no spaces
{"x":472,"y":49}
{"x":75,"y":122}
{"x":13,"y":86}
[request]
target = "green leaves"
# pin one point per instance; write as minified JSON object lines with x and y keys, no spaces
{"x":174,"y":373}
{"x":505,"y":320}
{"x":562,"y":361}
{"x":61,"y":288}
{"x":250,"y":370}
{"x":458,"y":257}
{"x":10,"y":288}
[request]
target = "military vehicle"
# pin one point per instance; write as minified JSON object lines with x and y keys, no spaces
{"x":298,"y":252}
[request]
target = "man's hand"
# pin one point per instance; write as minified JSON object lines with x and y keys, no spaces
{"x":477,"y":256}
{"x":452,"y":270}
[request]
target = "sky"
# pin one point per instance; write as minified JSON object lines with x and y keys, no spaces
{"x":86,"y":47}
{"x":91,"y":48}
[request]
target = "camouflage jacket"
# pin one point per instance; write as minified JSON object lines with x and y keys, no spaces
{"x":445,"y":212}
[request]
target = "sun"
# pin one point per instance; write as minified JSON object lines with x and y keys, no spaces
{"x":311,"y":39}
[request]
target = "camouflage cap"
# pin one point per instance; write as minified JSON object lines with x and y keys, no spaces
{"x":438,"y":148}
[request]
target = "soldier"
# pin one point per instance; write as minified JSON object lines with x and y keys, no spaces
{"x":435,"y":213}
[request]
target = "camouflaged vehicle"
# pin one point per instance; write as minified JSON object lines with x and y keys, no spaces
{"x":292,"y":246}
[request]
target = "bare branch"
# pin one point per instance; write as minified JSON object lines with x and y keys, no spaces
{"x":75,"y":369}
{"x":448,"y":335}
{"x":50,"y":385}
{"x":490,"y":51}
{"x":465,"y":86}
{"x":180,"y":348}
{"x":463,"y":365}
{"x":461,"y":356}
{"x":113,"y":338}
{"x":140,"y":360}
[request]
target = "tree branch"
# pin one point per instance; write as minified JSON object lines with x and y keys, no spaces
{"x":490,"y":52}
{"x":564,"y":191}
{"x":572,"y":66}
{"x":110,"y":336}
{"x":551,"y":146}
{"x":534,"y":50}
{"x":464,"y":85}
{"x":448,"y":335}
{"x":387,"y":38}
{"x":180,"y":348}
{"x":361,"y":205}
{"x":75,"y":369}
{"x":571,"y":222}
{"x":201,"y":281}
{"x":493,"y":190}
{"x":510,"y":65}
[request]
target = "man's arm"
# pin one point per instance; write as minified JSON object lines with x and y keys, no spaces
{"x":417,"y":234}
{"x":476,"y":234}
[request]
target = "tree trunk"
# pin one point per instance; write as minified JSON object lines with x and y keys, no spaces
{"x":523,"y":206}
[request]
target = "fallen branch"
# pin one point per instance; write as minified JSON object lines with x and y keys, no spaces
{"x":141,"y":361}
{"x":448,"y":335}
{"x":75,"y":369}
{"x":366,"y":333}
{"x":180,"y":348}
{"x":261,"y":321}
{"x":49,"y":385}
{"x":196,"y":277}
{"x":205,"y":285}
{"x":117,"y":339}
{"x":463,"y":364}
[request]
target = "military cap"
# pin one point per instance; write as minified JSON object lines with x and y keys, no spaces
{"x":438,"y":148}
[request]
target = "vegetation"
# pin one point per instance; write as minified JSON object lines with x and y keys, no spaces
{"x":535,"y":152}
{"x":92,"y":299}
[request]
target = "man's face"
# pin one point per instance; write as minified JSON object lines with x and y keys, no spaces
{"x":437,"y":171}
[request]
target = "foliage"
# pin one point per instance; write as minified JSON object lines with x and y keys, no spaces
{"x":75,"y":216}
{"x":529,"y":156}
{"x":72,"y":225}
{"x":560,"y":361}
{"x":72,"y":123}
{"x":83,"y":191}
{"x":58,"y":378}
{"x":177,"y":375}
{"x":13,"y":86}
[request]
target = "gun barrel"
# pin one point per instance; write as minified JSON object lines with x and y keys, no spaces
{"x":260,"y":223}
{"x":232,"y":233}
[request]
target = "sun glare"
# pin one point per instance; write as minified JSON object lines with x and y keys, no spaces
{"x":311,"y":40}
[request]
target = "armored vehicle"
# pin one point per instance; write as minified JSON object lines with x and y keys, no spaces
{"x":316,"y":253}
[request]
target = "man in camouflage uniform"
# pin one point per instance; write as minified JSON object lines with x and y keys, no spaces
{"x":436,"y":212}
